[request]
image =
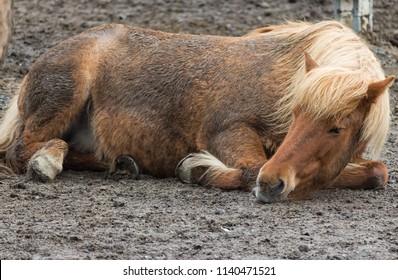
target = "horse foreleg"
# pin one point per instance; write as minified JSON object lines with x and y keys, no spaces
{"x":205,"y":169}
{"x":365,"y":174}
{"x":233,"y":160}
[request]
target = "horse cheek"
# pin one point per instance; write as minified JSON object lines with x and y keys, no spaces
{"x":339,"y":152}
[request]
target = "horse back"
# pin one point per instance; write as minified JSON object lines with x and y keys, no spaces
{"x":151,"y":95}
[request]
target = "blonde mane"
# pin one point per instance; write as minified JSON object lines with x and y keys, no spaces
{"x":335,"y":88}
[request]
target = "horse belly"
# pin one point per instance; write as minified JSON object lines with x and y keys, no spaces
{"x":155,"y":147}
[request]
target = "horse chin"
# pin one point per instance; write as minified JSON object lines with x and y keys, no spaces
{"x":268,"y":197}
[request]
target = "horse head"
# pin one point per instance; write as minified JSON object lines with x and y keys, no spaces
{"x":325,"y":134}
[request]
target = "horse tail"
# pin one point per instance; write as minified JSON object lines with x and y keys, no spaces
{"x":8,"y":133}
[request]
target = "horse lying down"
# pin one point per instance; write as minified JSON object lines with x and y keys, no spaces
{"x":283,"y":111}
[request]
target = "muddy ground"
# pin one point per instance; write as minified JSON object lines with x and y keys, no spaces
{"x":85,"y":215}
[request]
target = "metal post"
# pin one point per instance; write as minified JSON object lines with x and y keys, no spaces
{"x":355,"y":13}
{"x":5,"y":26}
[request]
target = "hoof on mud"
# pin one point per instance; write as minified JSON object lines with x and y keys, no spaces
{"x":43,"y":167}
{"x":125,"y":166}
{"x":182,"y":172}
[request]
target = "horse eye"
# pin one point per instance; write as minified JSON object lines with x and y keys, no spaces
{"x":335,"y":130}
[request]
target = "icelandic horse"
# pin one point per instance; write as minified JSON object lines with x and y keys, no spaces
{"x":284,"y":110}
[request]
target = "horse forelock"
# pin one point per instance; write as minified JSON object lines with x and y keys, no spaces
{"x":329,"y":93}
{"x":325,"y":93}
{"x":334,"y":89}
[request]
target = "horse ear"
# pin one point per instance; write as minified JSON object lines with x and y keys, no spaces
{"x":309,"y":62}
{"x":375,"y":89}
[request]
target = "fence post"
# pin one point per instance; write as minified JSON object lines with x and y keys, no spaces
{"x":5,"y":26}
{"x":355,"y":13}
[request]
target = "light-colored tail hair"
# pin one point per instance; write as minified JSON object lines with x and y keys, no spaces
{"x":8,"y":130}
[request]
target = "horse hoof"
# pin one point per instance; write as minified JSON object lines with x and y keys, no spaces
{"x":183,"y":173}
{"x":126,"y":165}
{"x":43,"y":167}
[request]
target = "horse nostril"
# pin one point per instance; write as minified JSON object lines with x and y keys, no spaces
{"x":278,"y":188}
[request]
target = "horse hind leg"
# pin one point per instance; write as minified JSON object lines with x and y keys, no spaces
{"x":47,"y":162}
{"x":74,"y":152}
{"x":45,"y":159}
{"x":41,"y":158}
{"x":48,"y":107}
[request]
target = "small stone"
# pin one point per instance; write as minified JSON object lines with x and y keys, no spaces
{"x":118,"y":203}
{"x":306,"y":232}
{"x":263,"y":4}
{"x":75,"y":238}
{"x":304,"y":248}
{"x":19,"y":185}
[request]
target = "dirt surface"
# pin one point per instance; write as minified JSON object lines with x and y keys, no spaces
{"x":85,"y":215}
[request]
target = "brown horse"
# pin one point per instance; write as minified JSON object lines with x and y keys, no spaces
{"x":284,"y":110}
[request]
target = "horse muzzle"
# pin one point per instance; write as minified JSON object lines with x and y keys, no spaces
{"x":276,"y":190}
